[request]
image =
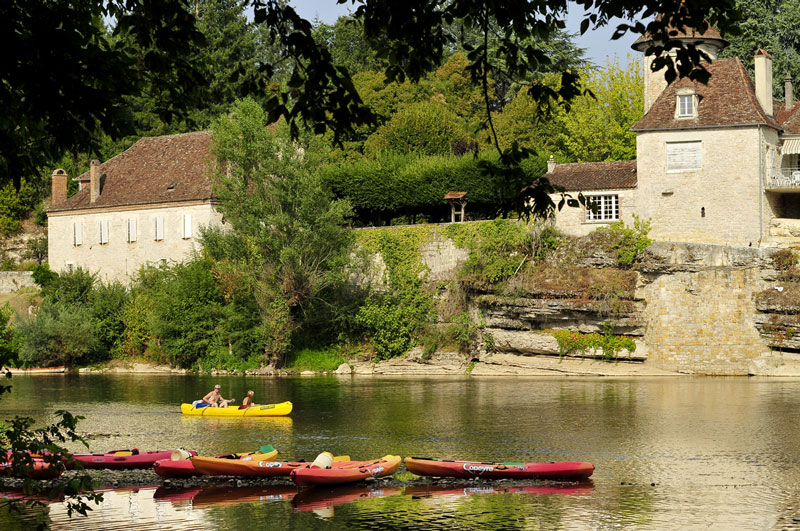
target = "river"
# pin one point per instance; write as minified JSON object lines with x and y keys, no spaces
{"x":679,"y":452}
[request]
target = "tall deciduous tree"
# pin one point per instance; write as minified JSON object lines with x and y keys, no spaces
{"x":274,"y":199}
{"x":773,"y":25}
{"x":598,"y":128}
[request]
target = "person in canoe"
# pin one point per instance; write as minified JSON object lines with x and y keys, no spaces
{"x":248,"y":400}
{"x":215,"y":398}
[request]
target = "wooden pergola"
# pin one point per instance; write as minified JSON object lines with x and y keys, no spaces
{"x":457,"y":205}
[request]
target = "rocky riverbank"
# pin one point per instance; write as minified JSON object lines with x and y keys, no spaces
{"x":414,"y":364}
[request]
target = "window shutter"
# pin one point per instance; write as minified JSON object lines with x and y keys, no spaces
{"x":159,"y":228}
{"x":77,"y":234}
{"x":187,"y":226}
{"x":132,"y":230}
{"x":104,"y":231}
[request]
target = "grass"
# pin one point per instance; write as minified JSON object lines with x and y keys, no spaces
{"x":20,"y":301}
{"x":326,"y":359}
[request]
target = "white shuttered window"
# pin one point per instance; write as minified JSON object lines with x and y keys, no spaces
{"x":159,"y":228}
{"x":132,"y":230}
{"x":77,"y":234}
{"x":605,"y":208}
{"x":683,"y":156}
{"x":187,"y":226}
{"x":104,"y":231}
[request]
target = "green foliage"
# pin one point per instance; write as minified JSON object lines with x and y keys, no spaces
{"x":36,"y":249}
{"x":396,"y":185}
{"x":105,"y":302}
{"x":575,"y":342}
{"x":319,"y":360}
{"x":14,"y":204}
{"x":425,"y":128}
{"x":598,"y":128}
{"x":289,"y":241}
{"x":629,"y":242}
{"x":9,"y":342}
{"x":59,"y":334}
{"x":496,"y":248}
{"x":45,"y":278}
{"x":392,"y":320}
{"x":463,"y":330}
{"x":772,"y":26}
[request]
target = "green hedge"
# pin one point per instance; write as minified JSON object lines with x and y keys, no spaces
{"x":397,"y":185}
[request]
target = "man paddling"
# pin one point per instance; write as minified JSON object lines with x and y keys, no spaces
{"x":215,"y":399}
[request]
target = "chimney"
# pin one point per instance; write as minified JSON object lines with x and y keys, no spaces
{"x":94,"y":181}
{"x":764,"y":80}
{"x":551,"y":164}
{"x":58,"y":187}
{"x":789,"y":90}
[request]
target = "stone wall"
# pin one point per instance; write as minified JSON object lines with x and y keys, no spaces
{"x":12,"y":281}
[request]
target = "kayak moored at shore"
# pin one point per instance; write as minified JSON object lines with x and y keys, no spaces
{"x":265,"y":410}
{"x":212,"y":466}
{"x":120,"y":459}
{"x":568,"y":471}
{"x":349,"y":473}
{"x":185,"y":468}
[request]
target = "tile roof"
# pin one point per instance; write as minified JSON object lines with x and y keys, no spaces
{"x":788,"y":118}
{"x":157,"y":169}
{"x":585,"y":176}
{"x":728,"y":99}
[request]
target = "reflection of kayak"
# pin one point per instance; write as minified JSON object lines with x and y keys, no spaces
{"x":569,"y":471}
{"x":120,"y":459}
{"x":35,"y":370}
{"x":426,"y":491}
{"x":321,"y":497}
{"x":184,"y":468}
{"x":214,"y":466}
{"x":378,"y":468}
{"x":266,"y":410}
{"x":220,"y":496}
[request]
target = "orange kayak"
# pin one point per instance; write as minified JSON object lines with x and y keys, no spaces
{"x":347,"y":473}
{"x":213,"y":466}
{"x":568,"y":471}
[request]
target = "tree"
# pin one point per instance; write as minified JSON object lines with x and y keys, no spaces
{"x":275,"y":202}
{"x":425,"y":128}
{"x":58,"y":101}
{"x":598,"y":128}
{"x":775,"y":27}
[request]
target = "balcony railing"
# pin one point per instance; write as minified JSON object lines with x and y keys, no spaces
{"x":786,"y":178}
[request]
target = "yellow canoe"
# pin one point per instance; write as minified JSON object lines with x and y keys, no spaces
{"x":266,"y":410}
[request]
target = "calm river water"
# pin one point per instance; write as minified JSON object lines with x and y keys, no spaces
{"x":673,"y":453}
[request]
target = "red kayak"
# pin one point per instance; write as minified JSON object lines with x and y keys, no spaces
{"x":120,"y":459}
{"x":567,"y":471}
{"x":348,"y":473}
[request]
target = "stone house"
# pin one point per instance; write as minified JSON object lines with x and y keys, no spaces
{"x":143,"y":206}
{"x":716,"y":163}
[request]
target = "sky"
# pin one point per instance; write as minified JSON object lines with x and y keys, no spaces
{"x":597,"y":43}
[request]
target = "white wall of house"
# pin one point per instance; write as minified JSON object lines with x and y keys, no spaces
{"x":574,"y":221}
{"x":115,"y":243}
{"x":711,"y":190}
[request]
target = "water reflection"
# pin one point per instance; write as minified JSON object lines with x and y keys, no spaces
{"x":670,"y":453}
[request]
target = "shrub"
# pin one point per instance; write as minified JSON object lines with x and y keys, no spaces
{"x":629,"y":242}
{"x":571,"y":342}
{"x":496,"y":249}
{"x":425,"y":128}
{"x":59,"y":334}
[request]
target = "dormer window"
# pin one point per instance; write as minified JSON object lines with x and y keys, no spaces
{"x":686,"y":106}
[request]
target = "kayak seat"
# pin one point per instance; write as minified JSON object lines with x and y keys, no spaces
{"x":135,"y":451}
